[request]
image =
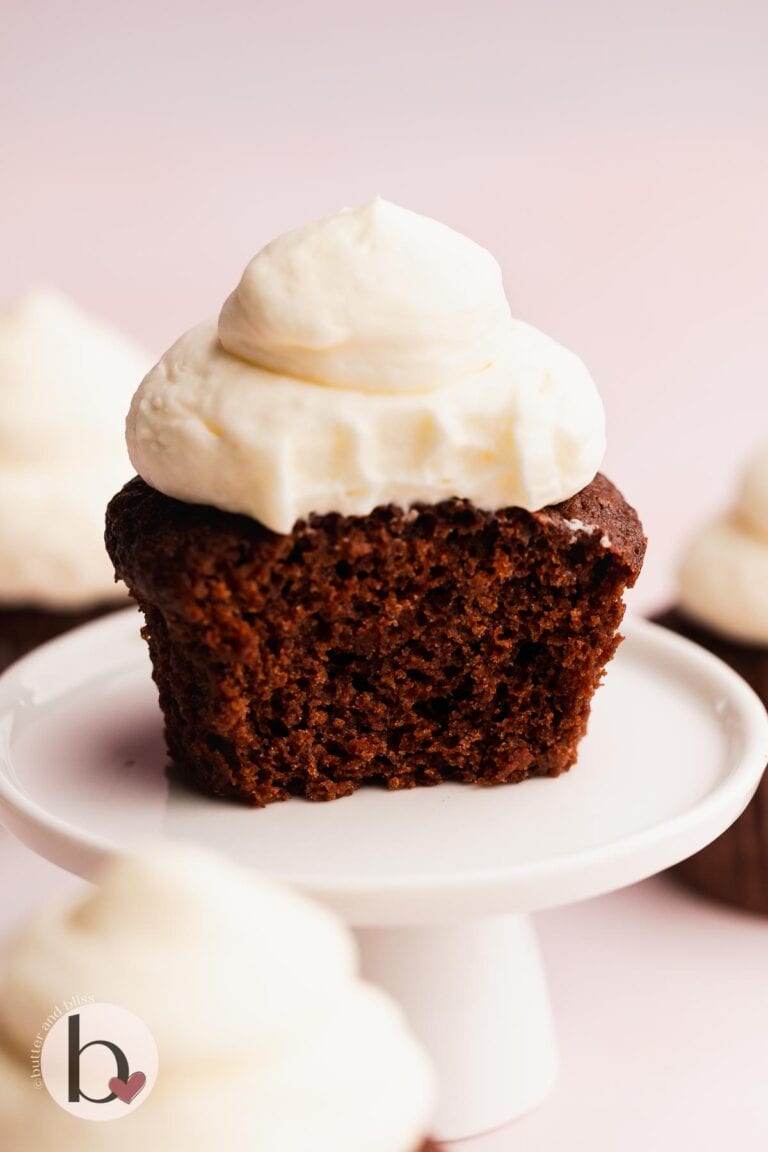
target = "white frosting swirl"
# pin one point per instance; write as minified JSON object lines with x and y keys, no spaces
{"x":267,"y":1039}
{"x":751,"y":505}
{"x":375,"y":300}
{"x":366,"y":359}
{"x":723,"y":577}
{"x":65,"y":380}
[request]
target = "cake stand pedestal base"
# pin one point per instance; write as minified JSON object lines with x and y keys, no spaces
{"x":476,"y":995}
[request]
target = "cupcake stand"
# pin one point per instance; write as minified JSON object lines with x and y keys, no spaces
{"x":438,"y":883}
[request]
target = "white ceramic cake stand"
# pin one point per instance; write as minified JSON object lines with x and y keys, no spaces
{"x":437,"y":882}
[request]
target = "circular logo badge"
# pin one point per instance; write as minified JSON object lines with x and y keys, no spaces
{"x":99,"y":1062}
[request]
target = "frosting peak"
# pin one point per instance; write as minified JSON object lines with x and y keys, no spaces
{"x":723,"y":576}
{"x":377,"y":299}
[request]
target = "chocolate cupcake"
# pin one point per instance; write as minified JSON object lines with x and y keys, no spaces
{"x":64,"y":382}
{"x":723,"y":605}
{"x":369,"y":537}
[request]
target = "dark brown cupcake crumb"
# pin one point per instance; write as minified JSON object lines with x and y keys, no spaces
{"x":400,"y":648}
{"x":734,"y":868}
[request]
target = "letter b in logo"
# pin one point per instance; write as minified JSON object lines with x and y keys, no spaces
{"x":99,"y":1062}
{"x":75,"y":1052}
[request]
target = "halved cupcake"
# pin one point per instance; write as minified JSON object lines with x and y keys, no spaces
{"x":368,"y":533}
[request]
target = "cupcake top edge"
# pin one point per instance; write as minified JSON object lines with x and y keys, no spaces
{"x":365,"y":359}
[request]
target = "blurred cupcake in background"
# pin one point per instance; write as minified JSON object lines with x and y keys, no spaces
{"x":723,"y":605}
{"x":267,"y":1039}
{"x":66,"y":380}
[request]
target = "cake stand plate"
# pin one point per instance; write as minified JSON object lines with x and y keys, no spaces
{"x":436,"y":881}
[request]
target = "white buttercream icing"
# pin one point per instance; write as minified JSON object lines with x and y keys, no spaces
{"x":377,"y":300}
{"x":65,"y":381}
{"x":267,"y":1038}
{"x":366,"y":359}
{"x":723,"y":577}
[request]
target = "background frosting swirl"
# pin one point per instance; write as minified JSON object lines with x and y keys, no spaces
{"x":65,"y":381}
{"x":267,"y":1037}
{"x":723,"y":576}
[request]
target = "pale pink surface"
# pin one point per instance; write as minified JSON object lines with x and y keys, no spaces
{"x":616,"y":165}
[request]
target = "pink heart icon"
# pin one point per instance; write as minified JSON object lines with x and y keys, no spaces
{"x":127,"y":1090}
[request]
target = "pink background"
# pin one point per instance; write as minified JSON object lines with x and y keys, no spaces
{"x":615,"y":162}
{"x":614,"y":159}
